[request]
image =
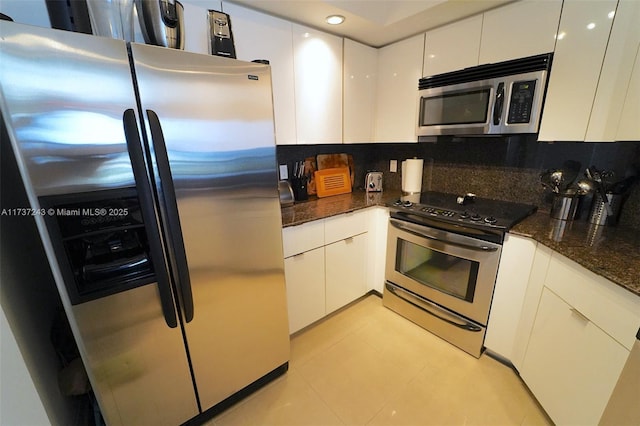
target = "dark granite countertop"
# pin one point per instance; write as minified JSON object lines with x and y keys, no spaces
{"x":319,"y":208}
{"x":611,"y":252}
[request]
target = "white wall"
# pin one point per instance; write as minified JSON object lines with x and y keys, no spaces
{"x":19,"y":401}
{"x":32,"y":12}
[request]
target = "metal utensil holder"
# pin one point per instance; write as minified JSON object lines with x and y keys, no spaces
{"x":564,"y":206}
{"x":599,"y":215}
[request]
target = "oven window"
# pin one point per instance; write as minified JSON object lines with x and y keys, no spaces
{"x":450,"y":274}
{"x":470,"y":107}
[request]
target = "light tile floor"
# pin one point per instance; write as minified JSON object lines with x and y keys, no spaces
{"x":366,"y":365}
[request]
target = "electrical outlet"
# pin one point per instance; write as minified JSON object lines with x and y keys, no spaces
{"x":393,"y":166}
{"x":284,"y":173}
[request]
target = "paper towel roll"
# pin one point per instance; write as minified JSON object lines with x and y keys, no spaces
{"x":412,"y":175}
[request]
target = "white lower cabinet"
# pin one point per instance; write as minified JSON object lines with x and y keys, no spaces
{"x":571,"y":365}
{"x":345,"y":270}
{"x":325,"y":266}
{"x":509,"y":294}
{"x":576,"y":332}
{"x":305,"y":288}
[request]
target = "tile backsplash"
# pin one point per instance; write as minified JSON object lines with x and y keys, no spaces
{"x":506,"y":168}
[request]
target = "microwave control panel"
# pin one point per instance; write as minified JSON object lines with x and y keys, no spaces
{"x":520,"y":105}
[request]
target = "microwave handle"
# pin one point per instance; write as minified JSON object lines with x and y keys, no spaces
{"x":499,"y":104}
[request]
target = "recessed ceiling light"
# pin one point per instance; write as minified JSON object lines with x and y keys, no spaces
{"x":335,"y":19}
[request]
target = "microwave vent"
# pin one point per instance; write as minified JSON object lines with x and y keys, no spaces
{"x":488,"y":71}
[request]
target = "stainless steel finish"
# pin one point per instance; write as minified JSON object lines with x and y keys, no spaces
{"x":52,"y":106}
{"x":564,"y":205}
{"x":286,"y":193}
{"x":162,"y":22}
{"x":487,"y":127}
{"x":442,"y":281}
{"x":64,"y":114}
{"x":219,"y":24}
{"x":418,"y":310}
{"x":488,"y":265}
{"x":227,"y":197}
{"x":438,"y":235}
{"x":133,"y":356}
{"x":373,"y":182}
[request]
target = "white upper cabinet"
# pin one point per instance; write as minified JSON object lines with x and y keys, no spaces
{"x":399,"y":69}
{"x":614,"y":83}
{"x":580,"y":48}
{"x":260,"y":36}
{"x":629,"y":127}
{"x":359,"y":97}
{"x":518,"y":30}
{"x":452,"y":47}
{"x":317,"y":59}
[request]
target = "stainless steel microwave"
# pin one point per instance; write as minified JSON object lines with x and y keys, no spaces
{"x":491,"y":99}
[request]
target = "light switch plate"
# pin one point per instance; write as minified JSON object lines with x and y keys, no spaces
{"x":393,"y":166}
{"x":284,"y":172}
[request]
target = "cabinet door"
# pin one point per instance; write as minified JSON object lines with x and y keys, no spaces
{"x":508,"y":297}
{"x":399,"y":69}
{"x":260,"y":36}
{"x":304,"y":275}
{"x":518,"y":30}
{"x":452,"y":47}
{"x":346,"y":274}
{"x":629,"y":126}
{"x":580,"y":47}
{"x":317,"y":58}
{"x":360,"y":67}
{"x":571,"y":365}
{"x":615,"y":77}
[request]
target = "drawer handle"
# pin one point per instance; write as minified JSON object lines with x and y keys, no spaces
{"x":348,"y":240}
{"x":299,"y":255}
{"x":580,"y":315}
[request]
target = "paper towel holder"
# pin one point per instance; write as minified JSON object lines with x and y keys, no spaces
{"x":414,"y":185}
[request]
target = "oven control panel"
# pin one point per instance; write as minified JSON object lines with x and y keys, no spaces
{"x":472,"y":217}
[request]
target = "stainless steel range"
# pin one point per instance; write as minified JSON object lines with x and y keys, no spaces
{"x":443,"y":252}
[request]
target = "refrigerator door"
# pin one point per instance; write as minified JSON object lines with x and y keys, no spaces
{"x":63,"y":98}
{"x":213,"y":121}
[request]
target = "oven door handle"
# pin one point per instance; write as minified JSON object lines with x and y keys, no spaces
{"x":429,"y":307}
{"x":419,"y":232}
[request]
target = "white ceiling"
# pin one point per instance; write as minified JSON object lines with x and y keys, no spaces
{"x":374,"y":22}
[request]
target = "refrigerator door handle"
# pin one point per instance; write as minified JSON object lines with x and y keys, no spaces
{"x":149,"y":216}
{"x":172,"y":217}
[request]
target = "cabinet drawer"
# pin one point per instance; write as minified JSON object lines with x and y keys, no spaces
{"x":344,"y":226}
{"x":610,"y":307}
{"x":301,"y":238}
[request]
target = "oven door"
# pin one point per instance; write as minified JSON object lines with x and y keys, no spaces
{"x":451,"y":270}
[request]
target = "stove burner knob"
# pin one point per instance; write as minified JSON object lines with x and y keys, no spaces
{"x":407,"y":203}
{"x":397,"y":203}
{"x":490,"y":219}
{"x":476,"y":217}
{"x":464,"y":215}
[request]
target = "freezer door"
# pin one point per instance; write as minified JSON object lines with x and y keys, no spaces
{"x":211,"y":129}
{"x":64,"y":94}
{"x":64,"y":97}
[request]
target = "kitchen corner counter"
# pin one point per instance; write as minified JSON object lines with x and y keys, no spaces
{"x":319,"y":208}
{"x":611,"y":252}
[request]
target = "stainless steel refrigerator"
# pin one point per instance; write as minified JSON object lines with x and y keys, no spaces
{"x":151,"y":175}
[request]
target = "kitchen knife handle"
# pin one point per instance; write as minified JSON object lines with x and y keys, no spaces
{"x":174,"y":230}
{"x":149,"y":216}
